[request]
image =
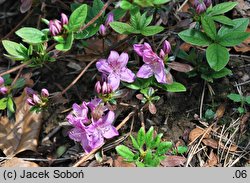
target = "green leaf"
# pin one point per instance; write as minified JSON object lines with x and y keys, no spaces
{"x":156,"y":141}
{"x":148,"y":20}
{"x":240,"y":25}
{"x":209,"y":27}
{"x":77,"y":18}
{"x":68,"y":43}
{"x":123,"y":28}
{"x":139,"y":164}
{"x":222,"y":73}
{"x":217,"y":56}
{"x":149,"y":137}
{"x":163,"y":148}
{"x":233,"y":38}
{"x":174,"y":87}
{"x":19,"y":51}
{"x":148,"y":158}
{"x":141,"y":137}
{"x":134,"y":142}
{"x":10,"y":105}
{"x":223,"y":20}
{"x":222,"y":8}
{"x":151,"y":30}
{"x":139,"y":83}
{"x":31,"y":35}
{"x":144,"y":3}
{"x":209,"y":114}
{"x":3,"y":103}
{"x":87,"y":33}
{"x":235,"y":97}
{"x":195,"y":37}
{"x":159,"y":2}
{"x":125,"y":152}
{"x":241,"y":110}
{"x":182,"y":149}
{"x":126,"y":5}
{"x":248,"y":99}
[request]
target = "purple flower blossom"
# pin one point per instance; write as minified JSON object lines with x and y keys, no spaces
{"x":114,"y":68}
{"x":25,"y":5}
{"x":44,"y":93}
{"x":207,"y":3}
{"x":64,"y":19}
{"x":201,"y":8}
{"x":110,"y":18}
{"x":102,"y":30}
{"x":154,"y":65}
{"x":79,"y":116}
{"x":100,"y":129}
{"x":35,"y":99}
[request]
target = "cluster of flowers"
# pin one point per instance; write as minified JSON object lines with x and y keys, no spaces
{"x":201,"y":5}
{"x":36,"y":100}
{"x":104,"y":27}
{"x":3,"y":89}
{"x":56,"y":26}
{"x":91,"y":131}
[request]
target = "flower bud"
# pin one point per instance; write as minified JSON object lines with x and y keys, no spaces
{"x":1,"y":81}
{"x":29,"y":91}
{"x":98,"y":87}
{"x":110,"y":89}
{"x":166,"y":47}
{"x":102,"y":30}
{"x":30,"y":101}
{"x":44,"y":93}
{"x":36,"y":99}
{"x":64,"y":19}
{"x":104,"y":88}
{"x":109,"y":19}
{"x":162,"y":54}
{"x":201,"y":8}
{"x":55,"y":27}
{"x":3,"y":90}
{"x":207,"y":3}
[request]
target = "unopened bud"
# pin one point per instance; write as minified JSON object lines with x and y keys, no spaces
{"x":98,"y":87}
{"x":109,"y":19}
{"x":102,"y":30}
{"x":44,"y":93}
{"x":166,"y":47}
{"x":64,"y":19}
{"x":3,"y":90}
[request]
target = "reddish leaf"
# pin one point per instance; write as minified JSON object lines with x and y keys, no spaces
{"x":119,"y":162}
{"x":172,"y":161}
{"x":196,"y":133}
{"x":180,"y":67}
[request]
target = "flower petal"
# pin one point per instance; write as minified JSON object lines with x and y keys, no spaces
{"x":138,"y":48}
{"x":145,"y":71}
{"x":114,"y":81}
{"x":127,"y":75}
{"x":122,"y":60}
{"x":109,"y":118}
{"x":113,"y":57}
{"x":103,"y":66}
{"x":110,"y":132}
{"x":159,"y":72}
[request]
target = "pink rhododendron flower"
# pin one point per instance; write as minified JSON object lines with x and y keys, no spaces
{"x":115,"y":69}
{"x":153,"y":64}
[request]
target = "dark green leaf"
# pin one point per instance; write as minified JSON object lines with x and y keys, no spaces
{"x":241,"y":110}
{"x":240,"y":25}
{"x":209,"y":114}
{"x":217,"y":56}
{"x":235,"y":97}
{"x":123,"y":28}
{"x":233,"y":38}
{"x":248,"y":99}
{"x":222,"y":73}
{"x":209,"y":27}
{"x":31,"y":35}
{"x":222,"y":8}
{"x":126,"y":5}
{"x":68,"y":43}
{"x":195,"y":37}
{"x":19,"y":83}
{"x":151,"y":30}
{"x":77,"y":18}
{"x":223,"y":20}
{"x":125,"y":152}
{"x":139,"y":83}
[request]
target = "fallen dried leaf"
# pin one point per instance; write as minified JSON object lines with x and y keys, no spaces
{"x":21,"y":134}
{"x":185,"y":47}
{"x":172,"y":161}
{"x":119,"y":162}
{"x":196,"y":133}
{"x":210,"y":142}
{"x":180,"y":67}
{"x":220,"y":112}
{"x":213,"y":159}
{"x":17,"y":162}
{"x":243,"y":122}
{"x":244,"y":46}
